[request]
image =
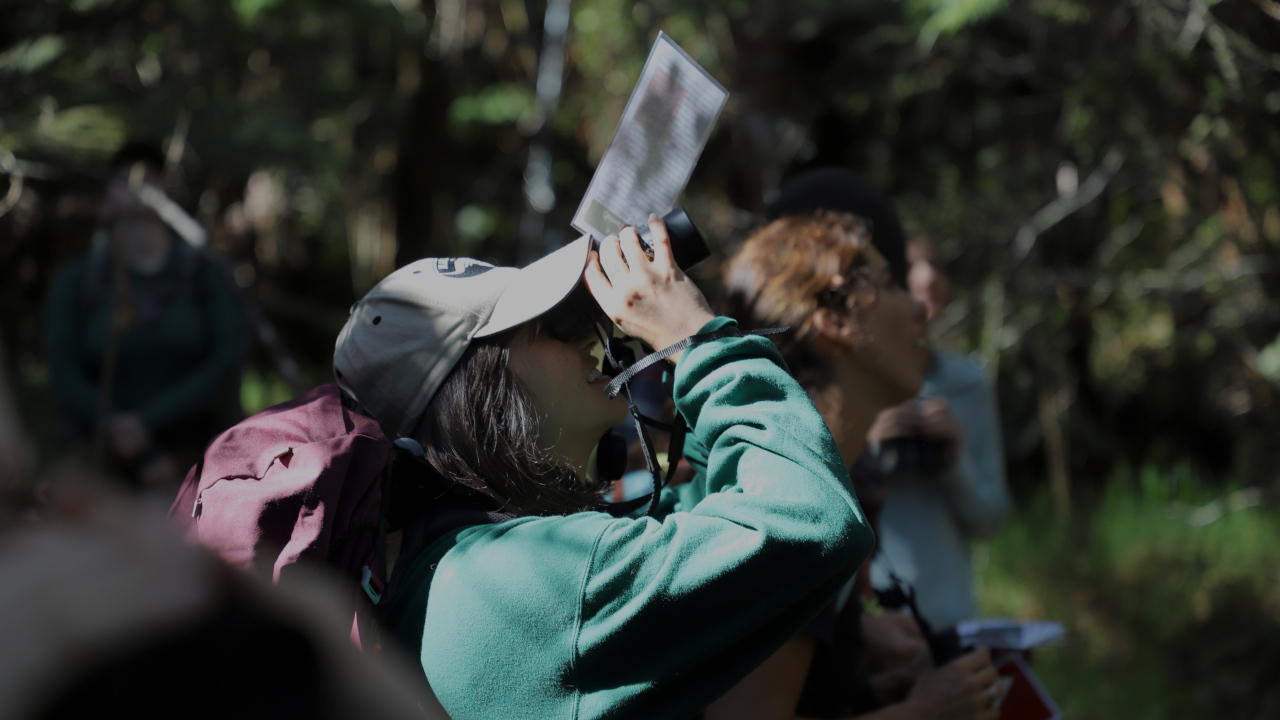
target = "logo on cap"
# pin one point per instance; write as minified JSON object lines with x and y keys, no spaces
{"x":461,"y":267}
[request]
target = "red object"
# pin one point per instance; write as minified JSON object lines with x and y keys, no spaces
{"x":298,"y":484}
{"x":1026,"y":699}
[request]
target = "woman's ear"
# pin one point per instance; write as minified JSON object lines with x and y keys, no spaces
{"x":834,"y":331}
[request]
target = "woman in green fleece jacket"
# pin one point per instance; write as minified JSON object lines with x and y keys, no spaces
{"x":558,"y":610}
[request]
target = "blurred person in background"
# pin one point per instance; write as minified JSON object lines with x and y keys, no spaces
{"x":943,"y":461}
{"x":144,"y":338}
{"x":858,"y":346}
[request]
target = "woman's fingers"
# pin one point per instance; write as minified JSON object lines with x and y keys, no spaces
{"x":632,"y":251}
{"x":611,"y":260}
{"x":986,"y":677}
{"x":657,"y":307}
{"x":594,"y":275}
{"x":663,"y":256}
{"x":629,"y":240}
{"x":599,"y":285}
{"x":973,"y":662}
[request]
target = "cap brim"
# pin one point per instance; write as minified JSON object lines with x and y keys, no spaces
{"x":538,"y":287}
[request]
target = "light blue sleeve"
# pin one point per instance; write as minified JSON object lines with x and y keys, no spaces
{"x":975,"y":486}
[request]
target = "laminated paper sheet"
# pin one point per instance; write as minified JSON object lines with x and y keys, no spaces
{"x":657,"y":143}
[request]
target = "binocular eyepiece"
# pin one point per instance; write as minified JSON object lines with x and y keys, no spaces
{"x":687,"y":245}
{"x":580,"y":310}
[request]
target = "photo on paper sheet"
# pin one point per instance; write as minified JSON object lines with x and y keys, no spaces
{"x":656,"y":145}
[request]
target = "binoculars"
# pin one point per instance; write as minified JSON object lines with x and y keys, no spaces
{"x":917,"y":454}
{"x":580,"y":310}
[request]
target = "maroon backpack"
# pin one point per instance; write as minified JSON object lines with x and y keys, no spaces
{"x":299,"y":484}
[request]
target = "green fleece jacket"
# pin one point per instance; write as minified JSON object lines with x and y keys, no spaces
{"x":592,"y":616}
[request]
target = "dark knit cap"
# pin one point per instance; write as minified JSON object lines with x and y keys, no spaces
{"x":845,"y":191}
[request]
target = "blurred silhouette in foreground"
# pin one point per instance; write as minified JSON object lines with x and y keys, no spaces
{"x":144,"y":338}
{"x":106,"y":612}
{"x":943,"y":463}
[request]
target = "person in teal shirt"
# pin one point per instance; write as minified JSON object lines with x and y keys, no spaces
{"x":554,"y":608}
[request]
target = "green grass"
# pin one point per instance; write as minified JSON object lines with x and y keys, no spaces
{"x":259,"y":391}
{"x":1166,"y":619}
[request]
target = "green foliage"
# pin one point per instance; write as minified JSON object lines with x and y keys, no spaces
{"x":1269,"y":361}
{"x":607,"y":63}
{"x":387,"y":131}
{"x":83,"y":130}
{"x":261,"y":390}
{"x":476,"y":223}
{"x":30,"y":55}
{"x":248,"y":10}
{"x":1167,"y":619}
{"x":1063,"y":11}
{"x":946,"y":17}
{"x":494,"y":105}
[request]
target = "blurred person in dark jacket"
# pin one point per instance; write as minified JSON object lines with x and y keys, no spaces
{"x":144,"y":338}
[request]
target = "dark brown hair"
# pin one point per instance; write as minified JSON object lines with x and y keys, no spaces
{"x":791,"y":267}
{"x":480,"y":434}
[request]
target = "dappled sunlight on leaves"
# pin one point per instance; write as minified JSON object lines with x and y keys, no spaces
{"x":1142,"y":591}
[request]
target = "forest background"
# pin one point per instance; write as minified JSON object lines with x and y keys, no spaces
{"x":1103,"y":177}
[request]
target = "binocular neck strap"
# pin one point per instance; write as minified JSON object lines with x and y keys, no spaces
{"x":678,"y":427}
{"x":615,"y":387}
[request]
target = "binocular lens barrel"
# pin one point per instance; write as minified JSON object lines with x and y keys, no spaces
{"x":687,"y":244}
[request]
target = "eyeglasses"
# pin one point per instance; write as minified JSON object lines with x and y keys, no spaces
{"x":573,"y":317}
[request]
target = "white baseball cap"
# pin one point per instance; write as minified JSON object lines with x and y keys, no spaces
{"x":408,"y":332}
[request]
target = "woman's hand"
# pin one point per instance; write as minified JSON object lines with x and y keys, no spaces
{"x":937,"y":421}
{"x":895,"y":643}
{"x":963,"y":689}
{"x":653,"y":301}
